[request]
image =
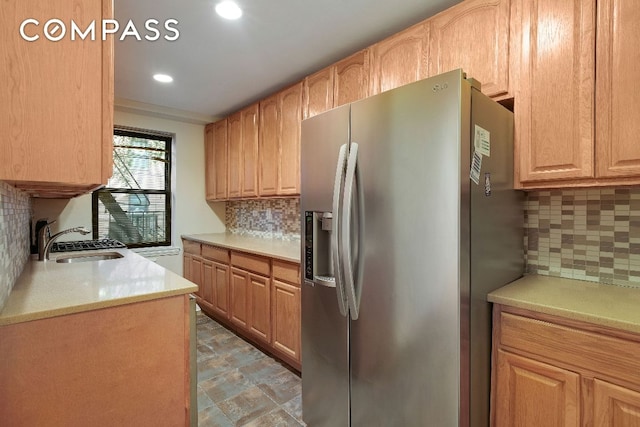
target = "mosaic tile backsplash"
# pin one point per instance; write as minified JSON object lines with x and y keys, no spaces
{"x":265,"y":218}
{"x":586,"y":234}
{"x":15,"y":213}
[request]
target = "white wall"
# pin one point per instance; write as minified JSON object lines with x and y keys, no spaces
{"x":191,"y":213}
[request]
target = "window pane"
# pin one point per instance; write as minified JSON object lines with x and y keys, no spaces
{"x":138,"y":163}
{"x":132,"y":218}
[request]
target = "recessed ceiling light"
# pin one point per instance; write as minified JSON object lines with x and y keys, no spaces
{"x":228,"y":10}
{"x":163,"y":78}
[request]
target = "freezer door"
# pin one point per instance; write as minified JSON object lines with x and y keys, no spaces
{"x":325,"y":356}
{"x":405,"y":355}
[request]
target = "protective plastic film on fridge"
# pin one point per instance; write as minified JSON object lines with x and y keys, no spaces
{"x":409,"y":219}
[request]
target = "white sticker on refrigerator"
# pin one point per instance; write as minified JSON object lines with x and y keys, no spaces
{"x":482,"y":141}
{"x":476,"y":165}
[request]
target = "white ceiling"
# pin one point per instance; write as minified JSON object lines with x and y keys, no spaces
{"x":219,"y":66}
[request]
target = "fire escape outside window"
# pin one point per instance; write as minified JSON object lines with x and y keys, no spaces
{"x":135,"y":206}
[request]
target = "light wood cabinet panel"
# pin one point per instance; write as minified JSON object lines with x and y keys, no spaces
{"x":554,"y":103}
{"x":351,"y":80}
{"x":615,"y":406}
{"x":286,"y":319}
{"x":217,"y":158}
{"x":209,"y":163}
{"x":221,"y":289}
{"x":249,"y":164}
{"x":56,"y":113}
{"x":535,"y":394}
{"x":318,"y":92}
{"x":289,"y":141}
{"x":124,"y":365}
{"x":617,"y":88}
{"x":269,"y":134}
{"x":550,"y":370}
{"x":256,"y":296}
{"x":239,"y":298}
{"x":234,"y":163}
{"x":259,"y":321}
{"x":473,"y":35}
{"x":400,"y":59}
{"x":207,"y":286}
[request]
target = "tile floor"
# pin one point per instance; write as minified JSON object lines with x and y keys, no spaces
{"x":238,"y":385}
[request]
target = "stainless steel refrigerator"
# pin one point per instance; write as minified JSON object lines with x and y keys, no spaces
{"x":409,"y":219}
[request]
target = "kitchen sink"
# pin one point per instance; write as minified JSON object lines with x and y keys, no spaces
{"x":89,"y":257}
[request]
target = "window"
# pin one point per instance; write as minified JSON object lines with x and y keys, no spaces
{"x":135,"y":206}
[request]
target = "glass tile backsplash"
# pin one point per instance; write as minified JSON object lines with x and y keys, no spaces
{"x":15,"y":213}
{"x":586,"y":234}
{"x":265,"y":218}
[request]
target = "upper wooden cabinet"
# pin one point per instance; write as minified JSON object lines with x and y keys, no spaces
{"x":268,"y":153}
{"x":249,"y":164}
{"x":56,"y":113}
{"x":400,"y":59}
{"x":343,"y":82}
{"x":474,"y":35}
{"x":617,"y":88}
{"x":234,"y":162}
{"x":280,"y":118}
{"x":575,"y":104}
{"x":554,"y":103}
{"x":216,"y":160}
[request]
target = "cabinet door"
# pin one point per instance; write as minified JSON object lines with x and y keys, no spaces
{"x":220,"y":160}
{"x":186,"y":267}
{"x":206,"y":289}
{"x":617,"y":88}
{"x":239,"y":297}
{"x":259,"y":321}
{"x":250,"y":151}
{"x":400,"y":59}
{"x":615,"y":406}
{"x":351,"y":81}
{"x":534,"y":394}
{"x":209,"y":163}
{"x":221,"y":289}
{"x":474,"y":36}
{"x":56,"y":114}
{"x":289,"y":141}
{"x":234,"y":181}
{"x":318,"y":92}
{"x":286,"y":319}
{"x":196,"y":274}
{"x":269,"y":133}
{"x":554,"y":101}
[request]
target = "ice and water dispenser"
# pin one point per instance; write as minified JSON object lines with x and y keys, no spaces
{"x":318,"y":255}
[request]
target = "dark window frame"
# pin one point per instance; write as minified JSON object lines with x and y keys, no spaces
{"x":168,"y":139}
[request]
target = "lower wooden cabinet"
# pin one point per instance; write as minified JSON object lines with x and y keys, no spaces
{"x":551,"y":371}
{"x":257,"y":297}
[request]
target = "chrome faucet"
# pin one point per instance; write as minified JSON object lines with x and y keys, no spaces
{"x":45,"y":243}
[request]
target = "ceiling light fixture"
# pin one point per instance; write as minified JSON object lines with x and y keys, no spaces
{"x":228,"y":10}
{"x":163,"y":78}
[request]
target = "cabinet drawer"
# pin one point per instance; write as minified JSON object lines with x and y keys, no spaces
{"x":191,"y":247}
{"x":612,"y":356}
{"x":253,"y":263}
{"x":286,"y":271}
{"x":215,"y":254}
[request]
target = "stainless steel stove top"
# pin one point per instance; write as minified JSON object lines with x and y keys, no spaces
{"x":86,"y":245}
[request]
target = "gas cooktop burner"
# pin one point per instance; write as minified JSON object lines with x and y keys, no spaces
{"x":86,"y":245}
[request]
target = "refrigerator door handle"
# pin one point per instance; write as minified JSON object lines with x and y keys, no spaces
{"x":353,"y":280}
{"x":337,"y":230}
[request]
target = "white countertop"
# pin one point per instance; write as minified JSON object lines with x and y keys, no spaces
{"x":273,"y":248}
{"x":49,"y":289}
{"x":607,"y":305}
